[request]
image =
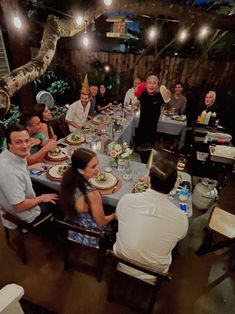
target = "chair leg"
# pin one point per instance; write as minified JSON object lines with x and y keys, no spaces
{"x":7,"y":236}
{"x":153,"y":297}
{"x":66,"y":252}
{"x":20,"y":249}
{"x":101,"y":265}
{"x":206,"y":245}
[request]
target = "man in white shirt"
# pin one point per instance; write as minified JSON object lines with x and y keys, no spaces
{"x":77,"y":113}
{"x":130,"y":96}
{"x":149,"y":224}
{"x":16,"y":192}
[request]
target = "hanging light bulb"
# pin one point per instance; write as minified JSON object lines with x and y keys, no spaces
{"x":183,"y":35}
{"x":203,"y":32}
{"x":108,"y":2}
{"x":85,"y":40}
{"x":17,"y":22}
{"x":107,"y":68}
{"x":79,"y":20}
{"x":152,"y":33}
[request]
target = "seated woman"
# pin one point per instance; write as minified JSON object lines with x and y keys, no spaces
{"x":103,"y":100}
{"x":80,"y":201}
{"x":44,"y":113}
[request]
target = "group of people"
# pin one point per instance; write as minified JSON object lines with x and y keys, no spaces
{"x":141,"y":217}
{"x":149,"y":225}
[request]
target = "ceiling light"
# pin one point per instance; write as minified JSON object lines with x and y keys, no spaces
{"x":85,"y":40}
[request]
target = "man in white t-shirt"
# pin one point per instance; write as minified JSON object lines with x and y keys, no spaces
{"x":130,"y":96}
{"x":149,"y":224}
{"x":77,"y":113}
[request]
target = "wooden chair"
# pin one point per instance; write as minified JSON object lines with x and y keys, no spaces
{"x":68,"y":243}
{"x":153,"y":287}
{"x":22,"y":228}
{"x":223,"y":223}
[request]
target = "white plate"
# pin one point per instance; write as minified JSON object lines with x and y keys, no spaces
{"x":62,"y":154}
{"x":179,"y":118}
{"x":109,"y":183}
{"x":81,"y":140}
{"x":54,"y":171}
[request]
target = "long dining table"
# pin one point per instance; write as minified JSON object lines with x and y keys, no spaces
{"x":138,"y":170}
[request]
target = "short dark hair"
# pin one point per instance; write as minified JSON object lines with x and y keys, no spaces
{"x":163,"y":175}
{"x":13,"y":128}
{"x":39,"y":109}
{"x":26,"y":118}
{"x":179,"y":83}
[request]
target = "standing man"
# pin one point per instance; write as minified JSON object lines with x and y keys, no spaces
{"x":93,"y":93}
{"x":149,"y":224}
{"x":130,"y":94}
{"x":178,"y":100}
{"x":16,"y":192}
{"x":77,"y":113}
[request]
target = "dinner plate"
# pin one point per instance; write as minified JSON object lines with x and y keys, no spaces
{"x":70,"y":140}
{"x":62,"y":155}
{"x":179,"y":118}
{"x":53,"y":172}
{"x":109,"y":183}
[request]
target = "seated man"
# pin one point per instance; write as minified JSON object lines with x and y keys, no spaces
{"x":40,"y":144}
{"x":77,"y":113}
{"x":178,"y":100}
{"x":93,"y":93}
{"x":16,"y":193}
{"x":149,"y":224}
{"x":130,"y":94}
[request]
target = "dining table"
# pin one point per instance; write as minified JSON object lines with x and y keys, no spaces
{"x":138,"y":170}
{"x":168,"y":125}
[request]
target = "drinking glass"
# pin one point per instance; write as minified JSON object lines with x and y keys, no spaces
{"x":121,"y":165}
{"x":127,"y":174}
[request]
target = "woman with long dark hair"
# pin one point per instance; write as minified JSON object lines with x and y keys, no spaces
{"x":103,"y":99}
{"x":79,"y":200}
{"x":44,"y":113}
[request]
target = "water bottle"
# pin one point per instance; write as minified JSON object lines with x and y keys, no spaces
{"x":183,"y":195}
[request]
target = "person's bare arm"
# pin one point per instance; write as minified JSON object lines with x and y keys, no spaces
{"x":38,"y":156}
{"x":105,"y":107}
{"x":96,"y":207}
{"x":32,"y":202}
{"x":73,"y":123}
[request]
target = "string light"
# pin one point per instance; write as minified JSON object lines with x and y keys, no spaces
{"x":17,"y":22}
{"x":85,"y":39}
{"x":152,"y":33}
{"x":79,"y":20}
{"x":108,"y":2}
{"x":183,"y":35}
{"x":107,"y":68}
{"x":203,"y":32}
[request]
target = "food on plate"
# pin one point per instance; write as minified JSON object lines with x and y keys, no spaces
{"x":75,"y":137}
{"x":102,"y":177}
{"x":62,"y":169}
{"x":167,"y":112}
{"x":55,"y":152}
{"x":140,"y":187}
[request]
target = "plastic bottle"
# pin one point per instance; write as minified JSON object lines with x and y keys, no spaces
{"x":207,"y":118}
{"x":203,"y":116}
{"x":184,"y":194}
